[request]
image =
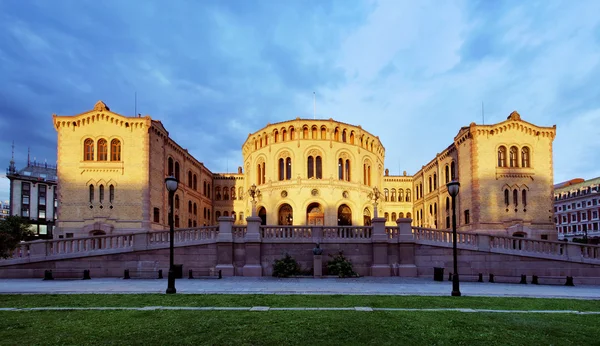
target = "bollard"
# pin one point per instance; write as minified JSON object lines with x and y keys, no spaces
{"x":190,"y":275}
{"x":220,"y":275}
{"x":480,"y":278}
{"x":449,"y":276}
{"x":569,"y":281}
{"x":491,"y":278}
{"x":534,"y":280}
{"x":523,"y":279}
{"x":48,"y":275}
{"x":160,"y":274}
{"x":126,"y":275}
{"x":86,"y":274}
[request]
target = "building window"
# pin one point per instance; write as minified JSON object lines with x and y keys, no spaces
{"x":218,"y":193}
{"x":314,"y":132}
{"x":408,"y":195}
{"x":288,"y":166}
{"x":156,"y":215}
{"x":430,"y":185}
{"x":189,"y":207}
{"x":400,"y":195}
{"x":264,"y":174}
{"x":91,"y":193}
{"x":502,"y":156}
{"x":88,"y":150}
{"x":55,"y":202}
{"x":305,"y":132}
{"x":225,"y":193}
{"x":233,"y":197}
{"x":393,"y":198}
{"x":525,"y":157}
{"x":281,"y":169}
{"x":434,"y":181}
{"x":190,"y":179}
{"x":217,"y":215}
{"x":323,"y":132}
{"x":115,"y":150}
{"x":514,"y":157}
{"x":241,"y":193}
{"x":170,"y":167}
{"x":453,"y":170}
{"x":195,"y":182}
{"x":25,"y":195}
{"x":467,"y":217}
{"x":42,"y":195}
{"x":102,"y":150}
{"x":340,"y":169}
{"x":311,"y":167}
{"x":111,"y":193}
{"x":447,"y":171}
{"x":347,"y":170}
{"x":524,"y":199}
{"x":386,"y":195}
{"x":195,"y":209}
{"x":177,"y":221}
{"x":177,"y":170}
{"x":176,"y":201}
{"x":292,"y":133}
{"x":101,"y":193}
{"x":515,"y":197}
{"x":506,"y":197}
{"x":344,"y":136}
{"x":336,"y":135}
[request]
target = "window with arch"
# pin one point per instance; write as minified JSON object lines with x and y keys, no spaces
{"x":288,"y":168}
{"x":452,"y":170}
{"x":170,"y":171}
{"x":386,"y":216}
{"x":408,"y":195}
{"x":204,"y":188}
{"x":314,"y":132}
{"x":394,"y":218}
{"x":91,"y":193}
{"x":401,"y":215}
{"x":344,"y":169}
{"x":283,"y":135}
{"x":233,"y":197}
{"x":506,"y":197}
{"x":311,"y":167}
{"x":525,"y":157}
{"x":195,"y":209}
{"x":225,"y":193}
{"x":241,"y":193}
{"x":225,"y":213}
{"x":435,"y":181}
{"x":502,"y":156}
{"x":189,"y":223}
{"x":266,"y":139}
{"x":323,"y":132}
{"x":386,"y":195}
{"x":177,"y":170}
{"x":336,"y":135}
{"x":190,"y":182}
{"x":367,"y":173}
{"x":177,"y":202}
{"x":344,"y":136}
{"x":292,"y":133}
{"x":347,"y":170}
{"x":218,"y":193}
{"x":276,"y":136}
{"x":102,"y":150}
{"x":430,"y":184}
{"x":305,"y":132}
{"x":101,"y":193}
{"x":88,"y":150}
{"x":111,"y":193}
{"x":189,"y":207}
{"x":352,"y":137}
{"x":514,"y":157}
{"x":515,"y":197}
{"x":176,"y":221}
{"x":393,"y":198}
{"x":115,"y":150}
{"x":524,"y":198}
{"x":195,"y":180}
{"x":447,"y":174}
{"x":400,"y":195}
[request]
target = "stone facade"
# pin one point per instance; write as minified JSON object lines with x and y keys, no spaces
{"x":577,"y":209}
{"x":308,"y":172}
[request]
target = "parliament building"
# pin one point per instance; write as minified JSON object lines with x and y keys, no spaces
{"x":111,"y":171}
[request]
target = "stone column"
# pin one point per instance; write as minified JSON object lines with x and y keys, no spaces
{"x":380,"y":265}
{"x":318,"y":266}
{"x":252,"y":239}
{"x":406,"y":249}
{"x":225,"y":247}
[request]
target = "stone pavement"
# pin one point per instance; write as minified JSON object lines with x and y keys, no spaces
{"x":269,"y":285}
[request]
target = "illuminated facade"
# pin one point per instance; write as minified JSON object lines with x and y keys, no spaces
{"x":577,"y":209}
{"x":318,"y":172}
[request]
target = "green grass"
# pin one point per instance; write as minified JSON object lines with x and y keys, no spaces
{"x":272,"y":300}
{"x":294,"y":328}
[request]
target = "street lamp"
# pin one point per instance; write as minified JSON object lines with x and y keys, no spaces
{"x":254,"y":193}
{"x":453,"y":188}
{"x":375,"y":195}
{"x":171,"y":184}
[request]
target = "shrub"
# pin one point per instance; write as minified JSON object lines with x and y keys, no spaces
{"x":285,"y":267}
{"x":13,"y":230}
{"x":339,"y":265}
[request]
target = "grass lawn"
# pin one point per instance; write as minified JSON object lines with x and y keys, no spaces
{"x":294,"y":327}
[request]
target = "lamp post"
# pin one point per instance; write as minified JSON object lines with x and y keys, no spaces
{"x":453,"y":188}
{"x":171,"y":184}
{"x":254,"y":193}
{"x":375,"y":195}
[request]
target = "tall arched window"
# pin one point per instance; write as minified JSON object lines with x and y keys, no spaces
{"x":336,"y":135}
{"x":352,"y":137}
{"x":400,"y":195}
{"x":447,"y":171}
{"x":218,"y":193}
{"x":311,"y":167}
{"x":394,"y":217}
{"x":258,"y":174}
{"x":281,"y":169}
{"x":233,"y":193}
{"x":340,"y":169}
{"x":347,"y":170}
{"x":305,"y":132}
{"x":241,"y":193}
{"x":195,"y":182}
{"x":452,"y":170}
{"x":319,"y":167}
{"x":292,"y":134}
{"x":502,"y":156}
{"x":111,"y":194}
{"x":102,"y":150}
{"x":91,"y":193}
{"x":393,"y":198}
{"x":524,"y":199}
{"x":189,"y":207}
{"x":344,"y":136}
{"x":435,"y":181}
{"x":225,"y":193}
{"x":430,"y":184}
{"x":177,"y":202}
{"x":190,"y":179}
{"x":288,"y":168}
{"x":276,"y":136}
{"x":115,"y":150}
{"x":506,"y":197}
{"x":177,"y":170}
{"x":170,"y":167}
{"x":515,"y":197}
{"x":314,"y":132}
{"x":525,"y":157}
{"x":88,"y":150}
{"x":283,"y":135}
{"x":264,"y":174}
{"x":514,"y":157}
{"x":323,"y":132}
{"x":408,"y":195}
{"x":386,"y":195}
{"x":101,"y":193}
{"x":204,"y":188}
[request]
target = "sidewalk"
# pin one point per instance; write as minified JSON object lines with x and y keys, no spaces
{"x":269,"y":285}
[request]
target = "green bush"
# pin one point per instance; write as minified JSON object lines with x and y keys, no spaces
{"x":339,"y":265}
{"x":285,"y":267}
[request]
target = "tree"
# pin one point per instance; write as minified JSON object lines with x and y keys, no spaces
{"x":13,"y":230}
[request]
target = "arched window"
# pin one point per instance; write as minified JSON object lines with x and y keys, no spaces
{"x":111,"y":194}
{"x":102,"y":150}
{"x":408,"y":196}
{"x":323,"y":132}
{"x":91,"y":193}
{"x":225,"y":193}
{"x":408,"y":215}
{"x":430,"y":184}
{"x":88,"y":150}
{"x":347,"y":170}
{"x":502,"y":156}
{"x":344,"y":136}
{"x":525,"y":157}
{"x":401,"y":215}
{"x":452,"y":170}
{"x":344,"y":215}
{"x":225,"y":213}
{"x":506,"y":197}
{"x":311,"y":167}
{"x":218,"y":193}
{"x":241,"y":193}
{"x":292,"y":133}
{"x":177,"y":170}
{"x":195,"y":182}
{"x":204,"y":188}
{"x":276,"y":136}
{"x":394,"y":217}
{"x":336,"y":135}
{"x":515,"y":197}
{"x":101,"y":193}
{"x":208,"y":190}
{"x":233,"y":193}
{"x":514,"y":157}
{"x":217,"y":215}
{"x":305,"y":132}
{"x":288,"y":170}
{"x":170,"y":167}
{"x":115,"y":150}
{"x":314,"y":132}
{"x":524,"y":199}
{"x":386,"y":216}
{"x":386,"y":195}
{"x":393,"y":191}
{"x":189,"y":207}
{"x":264,"y":174}
{"x":258,"y":174}
{"x":340,"y":169}
{"x":447,"y":174}
{"x":195,"y":209}
{"x":176,"y":201}
{"x":400,"y":195}
{"x":319,"y":167}
{"x":190,"y":179}
{"x":352,"y":137}
{"x":283,"y":135}
{"x":281,"y":169}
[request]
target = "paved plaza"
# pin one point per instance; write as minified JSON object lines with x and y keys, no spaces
{"x":269,"y":285}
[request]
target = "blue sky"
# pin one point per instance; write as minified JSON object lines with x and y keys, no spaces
{"x":411,"y":72}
